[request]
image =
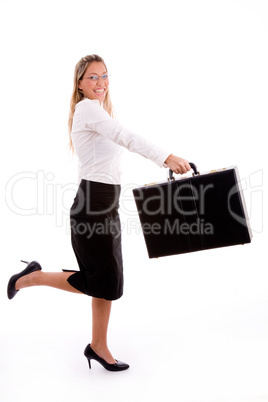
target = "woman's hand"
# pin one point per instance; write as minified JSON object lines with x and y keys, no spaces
{"x":177,"y":164}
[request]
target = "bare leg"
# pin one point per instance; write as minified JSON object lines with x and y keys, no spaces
{"x":53,"y":279}
{"x":101,"y":310}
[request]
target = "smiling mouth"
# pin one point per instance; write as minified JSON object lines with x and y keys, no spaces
{"x":99,"y":91}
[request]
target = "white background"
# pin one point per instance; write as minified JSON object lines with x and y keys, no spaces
{"x":191,"y":76}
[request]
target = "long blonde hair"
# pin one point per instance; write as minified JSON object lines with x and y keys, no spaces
{"x":77,"y":95}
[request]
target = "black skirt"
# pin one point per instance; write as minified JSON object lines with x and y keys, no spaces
{"x":96,"y":240}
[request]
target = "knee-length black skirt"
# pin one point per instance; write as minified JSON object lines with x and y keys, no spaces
{"x":96,"y":240}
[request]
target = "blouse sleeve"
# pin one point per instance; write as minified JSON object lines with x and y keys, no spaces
{"x":95,"y":118}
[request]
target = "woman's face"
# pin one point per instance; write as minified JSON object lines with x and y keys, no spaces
{"x":95,"y":82}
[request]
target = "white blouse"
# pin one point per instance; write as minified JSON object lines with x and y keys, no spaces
{"x":98,"y":140}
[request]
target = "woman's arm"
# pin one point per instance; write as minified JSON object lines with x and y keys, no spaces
{"x":95,"y":118}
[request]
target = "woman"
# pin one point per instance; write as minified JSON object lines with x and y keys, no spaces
{"x":97,"y":139}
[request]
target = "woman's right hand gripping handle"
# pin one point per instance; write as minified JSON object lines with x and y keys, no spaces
{"x":177,"y":164}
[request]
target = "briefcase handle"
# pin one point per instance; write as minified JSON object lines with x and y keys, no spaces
{"x":193,"y":166}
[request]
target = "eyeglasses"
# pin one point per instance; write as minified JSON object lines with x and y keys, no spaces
{"x":104,"y":77}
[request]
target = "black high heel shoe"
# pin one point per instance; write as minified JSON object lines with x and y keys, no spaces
{"x":118,"y":366}
{"x":31,"y":267}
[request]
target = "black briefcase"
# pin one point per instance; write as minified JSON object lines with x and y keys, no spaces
{"x":195,"y":213}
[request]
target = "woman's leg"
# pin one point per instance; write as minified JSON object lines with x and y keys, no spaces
{"x":53,"y":279}
{"x":101,"y":310}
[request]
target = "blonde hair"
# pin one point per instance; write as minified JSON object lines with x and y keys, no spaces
{"x":77,"y":95}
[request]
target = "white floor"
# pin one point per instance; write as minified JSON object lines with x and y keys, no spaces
{"x":192,"y":327}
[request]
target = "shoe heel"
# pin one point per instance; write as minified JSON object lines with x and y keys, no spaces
{"x":26,"y":262}
{"x":89,"y":363}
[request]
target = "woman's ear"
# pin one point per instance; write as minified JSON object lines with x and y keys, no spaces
{"x":79,"y":86}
